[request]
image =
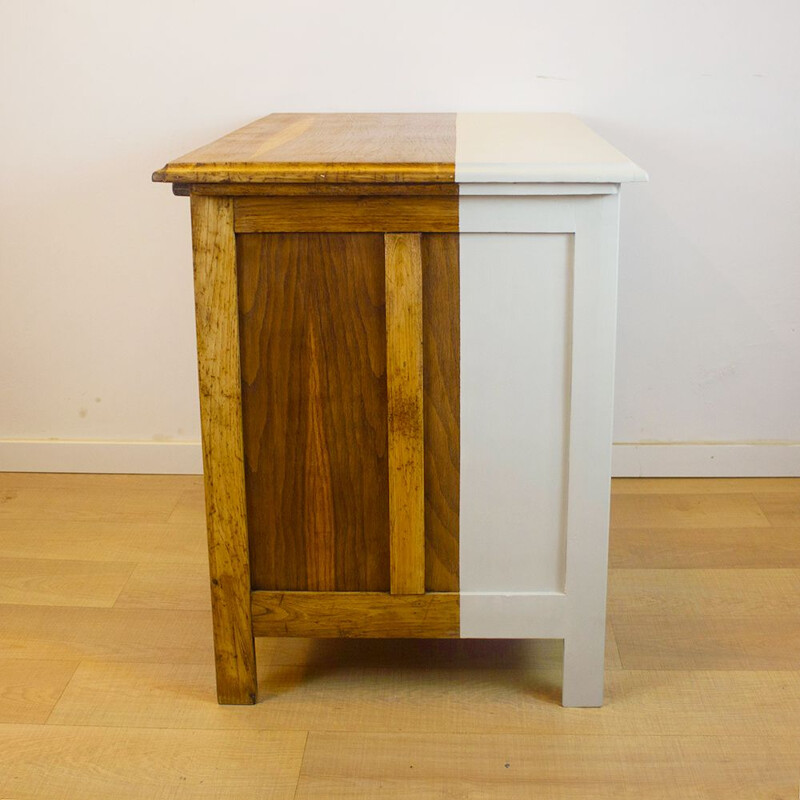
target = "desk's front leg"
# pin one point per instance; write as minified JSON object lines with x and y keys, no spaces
{"x":223,"y":462}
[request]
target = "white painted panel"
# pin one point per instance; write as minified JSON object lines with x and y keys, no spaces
{"x":538,"y":188}
{"x":515,"y":322}
{"x":536,"y":148}
{"x":537,"y":615}
{"x":478,"y":214}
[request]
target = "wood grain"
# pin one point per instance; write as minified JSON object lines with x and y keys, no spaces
{"x":684,"y":486}
{"x":406,"y":426}
{"x":326,"y":148}
{"x":319,"y":189}
{"x":181,"y":587}
{"x":223,"y":460}
{"x":737,"y":510}
{"x":413,"y":766}
{"x":345,"y":214}
{"x":711,"y":642}
{"x":313,"y":340}
{"x":107,"y":498}
{"x":685,"y":593}
{"x":50,"y":582}
{"x":709,"y":548}
{"x":518,"y":695}
{"x":441,"y":342}
{"x":107,"y":634}
{"x":29,"y":689}
{"x":62,"y":763}
{"x":359,"y":614}
{"x":707,"y":704}
{"x":99,"y":541}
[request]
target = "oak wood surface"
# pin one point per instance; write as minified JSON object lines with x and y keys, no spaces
{"x":317,"y":189}
{"x":441,"y":342}
{"x":346,"y":214}
{"x":216,"y":307}
{"x":404,"y":356}
{"x":320,"y":148}
{"x":95,"y":763}
{"x":355,"y":614}
{"x":51,"y":582}
{"x":313,"y":339}
{"x":572,"y":767}
{"x":704,"y":701}
{"x":29,"y":689}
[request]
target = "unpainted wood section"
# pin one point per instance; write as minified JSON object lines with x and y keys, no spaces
{"x":441,"y":344}
{"x":356,"y":614}
{"x":345,"y":214}
{"x":223,"y":461}
{"x":313,"y":343}
{"x":406,"y":424}
{"x":326,"y":148}
{"x":317,"y":189}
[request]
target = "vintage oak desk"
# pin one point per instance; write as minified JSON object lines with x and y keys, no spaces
{"x":405,"y":331}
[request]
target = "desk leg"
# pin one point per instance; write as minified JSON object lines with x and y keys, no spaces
{"x":214,"y":246}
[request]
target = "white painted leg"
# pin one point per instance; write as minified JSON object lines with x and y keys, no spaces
{"x":584,"y":654}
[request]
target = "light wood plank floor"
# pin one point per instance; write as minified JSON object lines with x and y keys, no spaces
{"x":107,"y":684}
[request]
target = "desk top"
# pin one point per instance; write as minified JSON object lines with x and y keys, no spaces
{"x":406,"y":148}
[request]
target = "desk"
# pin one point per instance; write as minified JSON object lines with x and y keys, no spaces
{"x":405,"y":328}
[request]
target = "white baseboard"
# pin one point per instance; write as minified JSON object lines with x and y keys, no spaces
{"x":689,"y":460}
{"x":684,"y":460}
{"x":63,"y":455}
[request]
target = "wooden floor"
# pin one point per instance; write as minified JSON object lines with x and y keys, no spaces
{"x":107,"y":684}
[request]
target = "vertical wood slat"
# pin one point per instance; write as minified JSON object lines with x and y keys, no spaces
{"x":214,"y":248}
{"x":404,"y":356}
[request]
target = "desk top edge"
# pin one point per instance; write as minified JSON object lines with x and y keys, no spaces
{"x":406,"y":148}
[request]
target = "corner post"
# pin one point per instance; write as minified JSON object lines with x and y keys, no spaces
{"x":216,"y":306}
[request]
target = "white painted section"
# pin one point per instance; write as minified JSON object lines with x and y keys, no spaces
{"x":164,"y":458}
{"x":516,"y":214}
{"x":590,"y":429}
{"x":533,"y":615}
{"x":536,"y":444}
{"x":706,"y":460}
{"x":515,"y":319}
{"x":543,"y":148}
{"x":506,"y":189}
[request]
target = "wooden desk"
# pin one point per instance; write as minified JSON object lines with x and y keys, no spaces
{"x":405,"y":331}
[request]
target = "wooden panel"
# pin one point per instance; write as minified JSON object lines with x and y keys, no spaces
{"x":345,"y":214}
{"x":355,"y":614}
{"x":220,"y":413}
{"x":317,"y":189}
{"x":441,"y":339}
{"x":326,"y":148}
{"x":313,"y":339}
{"x":406,"y":438}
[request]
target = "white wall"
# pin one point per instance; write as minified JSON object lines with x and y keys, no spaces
{"x":96,"y":326}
